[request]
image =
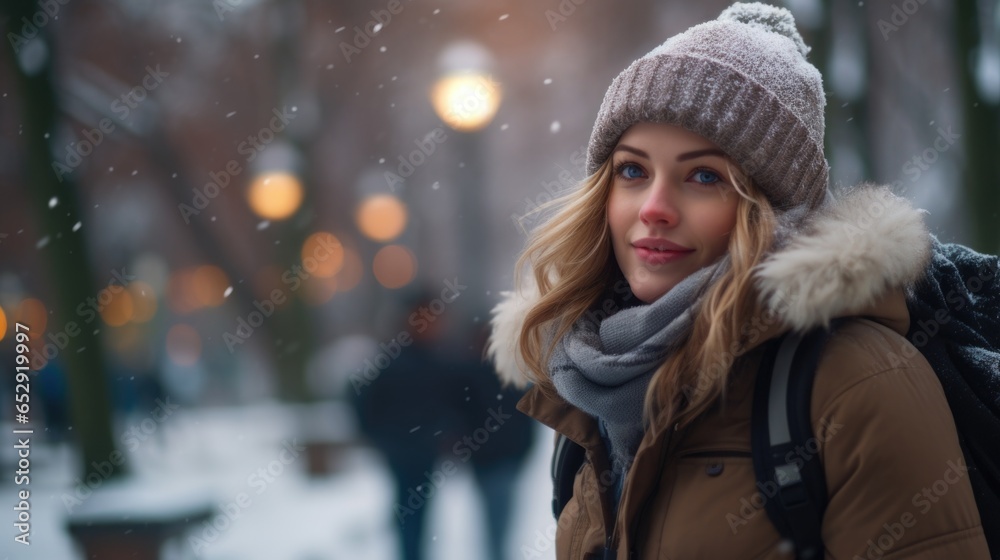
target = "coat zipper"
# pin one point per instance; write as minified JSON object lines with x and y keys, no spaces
{"x":634,"y":529}
{"x":599,"y":467}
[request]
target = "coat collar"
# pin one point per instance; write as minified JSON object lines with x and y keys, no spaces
{"x":856,"y":255}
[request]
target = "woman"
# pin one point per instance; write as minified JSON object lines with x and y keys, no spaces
{"x":705,"y":229}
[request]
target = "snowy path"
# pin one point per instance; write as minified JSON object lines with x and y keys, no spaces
{"x":292,"y":517}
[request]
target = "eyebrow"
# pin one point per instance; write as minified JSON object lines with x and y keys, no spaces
{"x":683,"y":157}
{"x":699,"y":153}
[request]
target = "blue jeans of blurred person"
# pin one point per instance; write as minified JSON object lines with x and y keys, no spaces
{"x":410,"y":508}
{"x":496,"y":483}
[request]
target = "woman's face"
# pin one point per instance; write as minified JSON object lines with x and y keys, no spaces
{"x":671,"y":208}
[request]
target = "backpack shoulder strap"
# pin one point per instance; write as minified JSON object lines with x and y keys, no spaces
{"x":566,"y":461}
{"x":790,"y":479}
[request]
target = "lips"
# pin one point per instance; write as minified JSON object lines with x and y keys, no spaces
{"x":656,"y":251}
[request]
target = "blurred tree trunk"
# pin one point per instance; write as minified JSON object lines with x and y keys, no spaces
{"x":294,"y":323}
{"x":66,"y":254}
{"x":982,"y":125}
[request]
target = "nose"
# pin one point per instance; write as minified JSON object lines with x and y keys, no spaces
{"x":660,"y":205}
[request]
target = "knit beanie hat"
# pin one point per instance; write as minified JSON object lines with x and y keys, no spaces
{"x":741,"y":81}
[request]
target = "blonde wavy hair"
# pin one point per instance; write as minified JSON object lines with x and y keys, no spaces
{"x":572,"y":262}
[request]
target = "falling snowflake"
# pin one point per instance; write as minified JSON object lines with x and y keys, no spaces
{"x":554,"y":127}
{"x":53,"y":202}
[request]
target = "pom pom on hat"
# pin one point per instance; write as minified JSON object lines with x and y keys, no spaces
{"x":768,"y":18}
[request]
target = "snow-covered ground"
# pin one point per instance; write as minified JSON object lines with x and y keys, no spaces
{"x":213,"y":455}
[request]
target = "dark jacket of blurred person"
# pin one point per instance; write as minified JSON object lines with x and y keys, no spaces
{"x":435,"y":408}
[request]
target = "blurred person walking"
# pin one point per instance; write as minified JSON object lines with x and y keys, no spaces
{"x":412,"y":413}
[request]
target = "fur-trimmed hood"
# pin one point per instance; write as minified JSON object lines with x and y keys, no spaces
{"x":843,"y":260}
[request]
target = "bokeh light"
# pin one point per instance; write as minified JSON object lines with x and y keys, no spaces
{"x":3,"y":324}
{"x":322,"y":254}
{"x":209,"y":283}
{"x":32,"y":314}
{"x":183,"y":344}
{"x":181,"y":297}
{"x":381,"y":217}
{"x":394,"y":266}
{"x":143,"y":301}
{"x":193,"y":288}
{"x":466,"y":102}
{"x":275,"y":195}
{"x":351,"y":273}
{"x":115,"y":306}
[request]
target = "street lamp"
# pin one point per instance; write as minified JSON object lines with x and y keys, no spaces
{"x":466,"y":98}
{"x":275,"y":193}
{"x":381,"y":217}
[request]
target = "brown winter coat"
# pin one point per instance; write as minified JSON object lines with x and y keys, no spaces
{"x":894,"y":470}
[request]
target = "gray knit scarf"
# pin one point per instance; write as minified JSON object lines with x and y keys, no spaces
{"x":603,"y":367}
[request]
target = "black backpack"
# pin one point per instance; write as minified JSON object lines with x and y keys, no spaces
{"x":955,"y":323}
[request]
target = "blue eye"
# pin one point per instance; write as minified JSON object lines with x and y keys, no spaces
{"x":706,"y":177}
{"x":629,"y":171}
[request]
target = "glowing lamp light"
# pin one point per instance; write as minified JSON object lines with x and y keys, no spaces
{"x":381,"y":217}
{"x":32,"y":313}
{"x":143,"y":301}
{"x":181,"y":297}
{"x":466,"y":102}
{"x":275,"y":195}
{"x":322,"y":254}
{"x":350,"y":274}
{"x":394,"y":266}
{"x":118,"y":309}
{"x":208,"y":284}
